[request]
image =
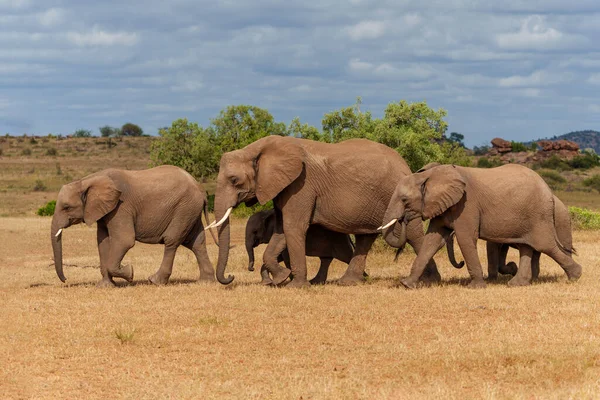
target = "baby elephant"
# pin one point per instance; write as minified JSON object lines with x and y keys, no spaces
{"x":162,"y":205}
{"x":320,"y":242}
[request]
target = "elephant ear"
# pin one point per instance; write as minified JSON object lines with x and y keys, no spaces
{"x":101,"y":197}
{"x":278,"y":165}
{"x":441,"y":188}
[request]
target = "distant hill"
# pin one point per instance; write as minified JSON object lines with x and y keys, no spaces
{"x":585,"y":139}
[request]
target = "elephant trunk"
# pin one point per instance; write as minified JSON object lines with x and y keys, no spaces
{"x":56,"y":237}
{"x":250,"y":251}
{"x":450,"y":247}
{"x":395,"y":235}
{"x":224,"y":239}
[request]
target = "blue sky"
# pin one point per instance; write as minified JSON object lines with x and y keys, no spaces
{"x":518,"y":69}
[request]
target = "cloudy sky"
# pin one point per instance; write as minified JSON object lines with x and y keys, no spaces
{"x":519,"y":69}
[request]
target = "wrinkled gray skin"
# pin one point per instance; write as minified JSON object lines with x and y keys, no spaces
{"x":162,"y":205}
{"x":496,"y":253}
{"x":510,"y":204}
{"x":344,"y":187}
{"x":320,"y":242}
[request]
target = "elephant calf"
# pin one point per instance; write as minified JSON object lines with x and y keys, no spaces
{"x":320,"y":242}
{"x":162,"y":205}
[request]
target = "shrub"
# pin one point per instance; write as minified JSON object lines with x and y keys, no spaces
{"x":518,"y":147}
{"x":26,"y":152}
{"x":584,"y":219}
{"x":485,"y":162}
{"x":32,"y":141}
{"x":552,"y":178}
{"x":555,"y":162}
{"x":481,"y":150}
{"x":39,"y":186}
{"x":593,"y":182}
{"x":130,"y":129}
{"x":51,"y":151}
{"x":211,"y":202}
{"x":585,"y":161}
{"x":82,"y":133}
{"x":242,"y":211}
{"x":47,"y":210}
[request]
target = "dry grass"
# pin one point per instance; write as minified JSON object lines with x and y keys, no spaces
{"x":189,"y":340}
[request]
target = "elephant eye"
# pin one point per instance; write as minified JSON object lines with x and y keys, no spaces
{"x":234,"y":180}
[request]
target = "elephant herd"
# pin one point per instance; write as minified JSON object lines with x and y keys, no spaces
{"x":322,"y":193}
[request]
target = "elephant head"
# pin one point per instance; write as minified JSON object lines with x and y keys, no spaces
{"x":86,"y":200}
{"x":424,"y":195}
{"x":258,"y":172}
{"x":259,"y":229}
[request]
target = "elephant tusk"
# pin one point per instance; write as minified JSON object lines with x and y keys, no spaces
{"x":214,"y":225}
{"x":58,"y":233}
{"x":392,"y":222}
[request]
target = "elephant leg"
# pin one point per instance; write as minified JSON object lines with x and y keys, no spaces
{"x":321,"y":276}
{"x":503,"y":267}
{"x":265,"y":277}
{"x":103,"y":251}
{"x":493,"y":259}
{"x":355,"y":273}
{"x":295,"y":237}
{"x":468,"y":245}
{"x":276,"y":246}
{"x":523,"y":276}
{"x":571,"y":268}
{"x":414,"y":234}
{"x":432,"y":242}
{"x":161,"y":277}
{"x":198,"y":246}
{"x":535,"y":265}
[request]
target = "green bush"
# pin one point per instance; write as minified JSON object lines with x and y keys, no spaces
{"x":518,"y":147}
{"x":584,"y":219}
{"x":47,"y":210}
{"x":51,"y":151}
{"x":39,"y":186}
{"x":26,"y":152}
{"x":32,"y":141}
{"x":242,"y":211}
{"x":485,"y":162}
{"x":593,"y":182}
{"x":555,"y":162}
{"x":551,"y":177}
{"x":584,"y":161}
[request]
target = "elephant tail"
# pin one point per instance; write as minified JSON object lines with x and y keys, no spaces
{"x":561,"y":246}
{"x":205,"y":209}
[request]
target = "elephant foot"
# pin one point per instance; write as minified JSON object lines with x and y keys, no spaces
{"x":509,"y":269}
{"x":408,"y":283}
{"x":430,"y":275}
{"x":207,"y":278}
{"x":105,"y":283}
{"x":124,"y":272}
{"x":318,"y":280}
{"x":514,"y":282}
{"x":298,"y":283}
{"x":279,"y":275}
{"x":266,"y":281}
{"x":492,"y":277}
{"x":477,"y":284}
{"x":574,"y":273}
{"x":158,"y":280}
{"x":351,"y":279}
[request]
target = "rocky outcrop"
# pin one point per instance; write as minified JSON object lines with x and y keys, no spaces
{"x":500,"y":146}
{"x":558,"y":145}
{"x":564,"y":149}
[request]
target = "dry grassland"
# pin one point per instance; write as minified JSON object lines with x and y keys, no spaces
{"x":189,"y":340}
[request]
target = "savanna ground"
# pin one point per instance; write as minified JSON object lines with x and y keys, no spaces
{"x":190,"y":340}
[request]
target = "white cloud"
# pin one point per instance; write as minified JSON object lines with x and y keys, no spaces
{"x":98,"y":37}
{"x":535,"y":34}
{"x":188,"y":86}
{"x":14,"y":4}
{"x":51,"y":17}
{"x":367,"y":30}
{"x":594,"y":79}
{"x":595,"y":108}
{"x":537,"y":78}
{"x":356,"y":65}
{"x":302,"y":88}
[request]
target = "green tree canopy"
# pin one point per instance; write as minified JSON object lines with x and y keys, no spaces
{"x":82,"y":133}
{"x":130,"y":129}
{"x":238,"y":126}
{"x":188,"y":146}
{"x":109,"y":131}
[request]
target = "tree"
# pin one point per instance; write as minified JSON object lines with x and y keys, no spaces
{"x":238,"y":126}
{"x":457,"y":138}
{"x":304,"y":131}
{"x":347,"y":123}
{"x":109,"y":131}
{"x":82,"y":133}
{"x":130,"y":129}
{"x":188,"y":146}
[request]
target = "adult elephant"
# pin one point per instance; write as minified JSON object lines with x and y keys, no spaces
{"x":509,"y":204}
{"x":159,"y":205}
{"x":497,"y":252}
{"x":320,"y":242}
{"x":343,"y":187}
